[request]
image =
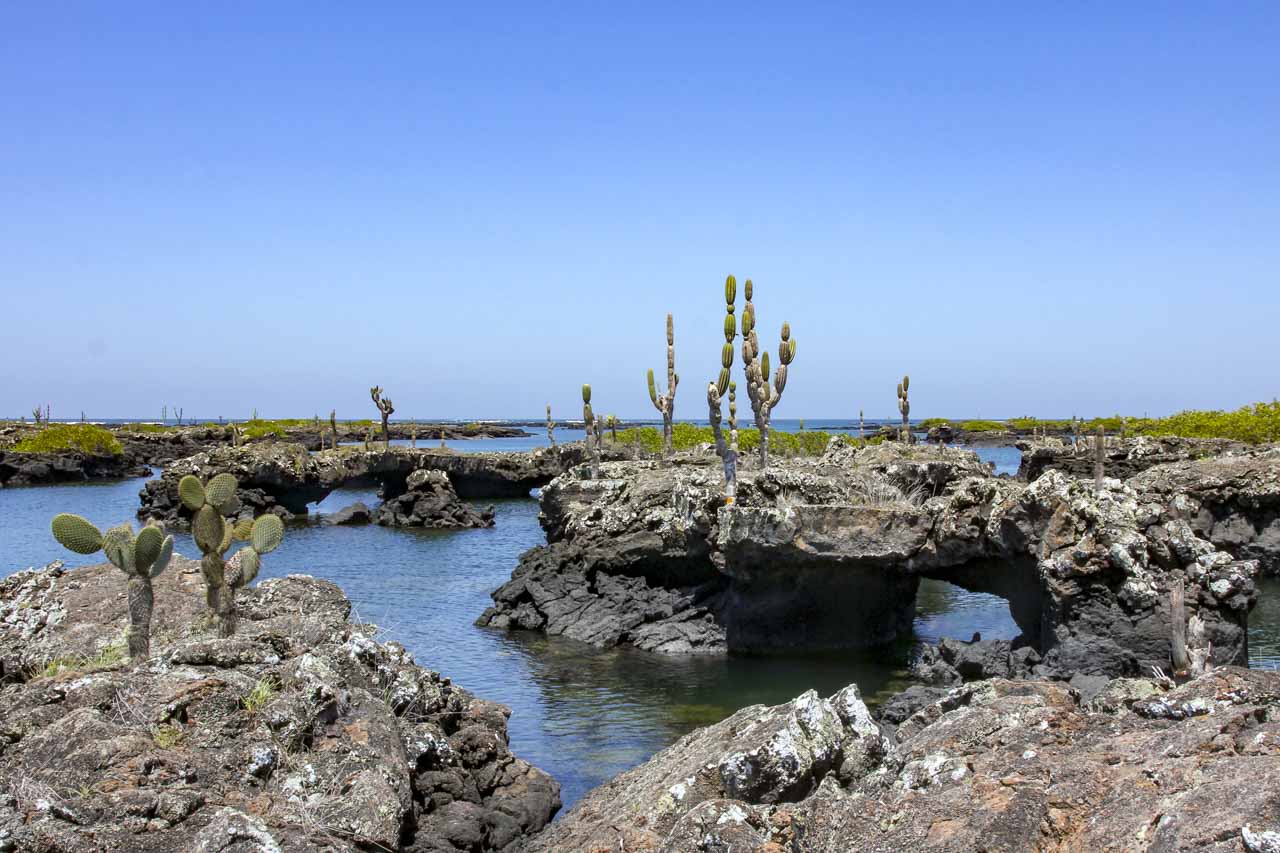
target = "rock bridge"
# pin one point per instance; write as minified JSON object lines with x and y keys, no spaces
{"x":829,"y":554}
{"x":286,"y":478}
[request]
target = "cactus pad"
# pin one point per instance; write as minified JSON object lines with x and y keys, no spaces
{"x":764,"y":367}
{"x":730,"y":290}
{"x":220,"y":490}
{"x":653,"y":389}
{"x":146,"y":548}
{"x":191,"y":493}
{"x":118,"y":545}
{"x":162,"y":560}
{"x":208,"y":528}
{"x":726,"y":356}
{"x":268,"y":532}
{"x":586,"y":393}
{"x":243,"y":529}
{"x":76,"y":534}
{"x":250,"y":562}
{"x":730,"y":327}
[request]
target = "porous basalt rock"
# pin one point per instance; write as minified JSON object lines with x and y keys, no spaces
{"x":430,"y":501}
{"x":828,"y":553}
{"x":283,"y":478}
{"x":994,"y":765}
{"x":300,"y":732}
{"x":34,"y":469}
{"x":1125,"y":458}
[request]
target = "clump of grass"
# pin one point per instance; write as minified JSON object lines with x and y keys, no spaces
{"x":110,"y":656}
{"x":166,"y":736}
{"x":85,"y":438}
{"x":260,"y":696}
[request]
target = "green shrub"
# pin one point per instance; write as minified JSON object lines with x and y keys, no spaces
{"x":1252,"y":424}
{"x":85,"y":438}
{"x":1027,"y":424}
{"x":930,"y":423}
{"x":982,"y":426}
{"x":145,"y":428}
{"x":688,"y":436}
{"x":260,"y":429}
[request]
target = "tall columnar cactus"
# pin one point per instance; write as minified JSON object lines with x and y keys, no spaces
{"x":592,"y":428}
{"x":140,"y":557}
{"x":727,"y":450}
{"x":666,"y":403}
{"x":904,"y":408}
{"x":333,"y":428}
{"x":1124,"y":427}
{"x":1099,"y":459}
{"x":214,"y":534}
{"x":385,"y":409}
{"x":763,"y":397}
{"x":413,"y":433}
{"x":551,"y":428}
{"x":861,"y":433}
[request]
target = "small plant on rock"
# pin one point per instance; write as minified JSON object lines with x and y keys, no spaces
{"x":141,"y":558}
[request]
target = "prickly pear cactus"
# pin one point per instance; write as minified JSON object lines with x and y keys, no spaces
{"x":141,"y":558}
{"x":592,"y":428}
{"x":214,"y":536}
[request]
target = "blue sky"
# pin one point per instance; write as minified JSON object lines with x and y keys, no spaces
{"x":1033,"y":208}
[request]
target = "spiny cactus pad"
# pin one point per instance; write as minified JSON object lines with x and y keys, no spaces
{"x":586,"y":393}
{"x":208,"y":528}
{"x":76,"y":534}
{"x":268,"y":532}
{"x":191,"y":493}
{"x":118,"y":545}
{"x":730,"y":289}
{"x":220,"y":490}
{"x":250,"y":562}
{"x":147,"y":547}
{"x":243,"y":529}
{"x":162,"y":559}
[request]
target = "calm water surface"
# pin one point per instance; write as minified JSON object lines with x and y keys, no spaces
{"x":580,"y":713}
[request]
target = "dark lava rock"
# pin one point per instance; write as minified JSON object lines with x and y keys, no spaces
{"x":829,"y":553}
{"x":301,"y":732}
{"x":430,"y":501}
{"x":994,"y":765}
{"x":357,"y":513}
{"x":34,"y":469}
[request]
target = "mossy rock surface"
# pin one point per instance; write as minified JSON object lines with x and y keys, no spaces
{"x":63,"y":438}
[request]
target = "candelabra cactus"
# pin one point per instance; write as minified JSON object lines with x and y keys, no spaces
{"x":1099,"y":459}
{"x":385,"y":409}
{"x":214,"y":535}
{"x":589,"y":424}
{"x":904,"y":408}
{"x":413,"y":433}
{"x":333,"y":427}
{"x":726,"y":449}
{"x":666,"y":403}
{"x":763,"y":396}
{"x":551,"y":428}
{"x":861,"y":433}
{"x":141,"y":558}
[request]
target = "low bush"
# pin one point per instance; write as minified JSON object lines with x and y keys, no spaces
{"x":59,"y":438}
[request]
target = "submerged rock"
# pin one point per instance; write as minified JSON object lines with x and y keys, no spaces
{"x":300,"y":732}
{"x":356,"y":513}
{"x":995,"y":765}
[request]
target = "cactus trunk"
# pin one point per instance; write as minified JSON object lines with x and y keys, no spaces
{"x":551,"y":428}
{"x":666,"y":403}
{"x":141,"y":604}
{"x":1099,"y":459}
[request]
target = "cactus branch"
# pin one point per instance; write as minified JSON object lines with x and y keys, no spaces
{"x":666,"y":403}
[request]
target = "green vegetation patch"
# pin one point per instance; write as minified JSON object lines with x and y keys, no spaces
{"x":982,"y":426}
{"x":690,"y":436}
{"x":60,"y":438}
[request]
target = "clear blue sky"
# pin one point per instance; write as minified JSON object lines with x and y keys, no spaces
{"x":1032,"y":207}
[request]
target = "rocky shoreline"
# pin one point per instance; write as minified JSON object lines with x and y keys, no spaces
{"x":303,"y":731}
{"x":996,"y":765}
